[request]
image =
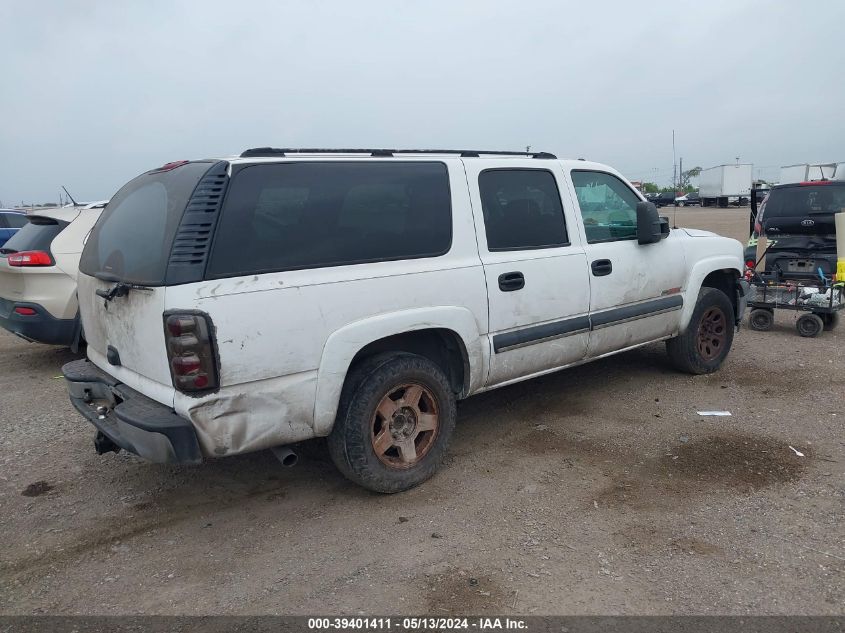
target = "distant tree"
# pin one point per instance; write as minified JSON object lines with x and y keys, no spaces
{"x":650,"y":187}
{"x":687,"y":176}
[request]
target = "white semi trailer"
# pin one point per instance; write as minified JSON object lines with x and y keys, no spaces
{"x":718,"y":185}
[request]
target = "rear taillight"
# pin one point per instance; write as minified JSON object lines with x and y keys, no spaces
{"x":190,"y":350}
{"x":758,"y":228}
{"x":30,"y":258}
{"x":750,"y":264}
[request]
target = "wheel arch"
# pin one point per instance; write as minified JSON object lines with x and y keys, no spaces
{"x":442,"y":346}
{"x":724,"y":280}
{"x":447,"y":336}
{"x":720,"y":273}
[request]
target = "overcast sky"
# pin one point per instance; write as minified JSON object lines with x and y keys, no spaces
{"x":93,"y":93}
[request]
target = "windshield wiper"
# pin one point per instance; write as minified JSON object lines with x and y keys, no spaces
{"x":7,"y":251}
{"x":120,"y":289}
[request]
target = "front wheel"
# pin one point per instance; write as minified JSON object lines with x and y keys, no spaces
{"x":394,"y":424}
{"x":705,"y":344}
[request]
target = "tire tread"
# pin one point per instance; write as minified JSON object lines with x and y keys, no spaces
{"x":349,"y":442}
{"x":683,"y":350}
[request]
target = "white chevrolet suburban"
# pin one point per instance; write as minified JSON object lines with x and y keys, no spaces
{"x":249,"y":303}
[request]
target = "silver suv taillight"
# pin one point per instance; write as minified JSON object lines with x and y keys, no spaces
{"x":190,"y":351}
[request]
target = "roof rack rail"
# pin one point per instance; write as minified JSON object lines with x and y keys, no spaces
{"x":465,"y":153}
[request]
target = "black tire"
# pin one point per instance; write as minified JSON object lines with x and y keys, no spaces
{"x":703,"y":347}
{"x":830,"y":320}
{"x":353,"y":438}
{"x":761,"y":319}
{"x":809,"y":325}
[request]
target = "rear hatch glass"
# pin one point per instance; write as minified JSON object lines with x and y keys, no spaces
{"x":36,"y":235}
{"x":131,"y":243}
{"x":132,"y":240}
{"x":803,"y":210}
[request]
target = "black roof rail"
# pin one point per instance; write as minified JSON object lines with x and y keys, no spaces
{"x":465,"y":153}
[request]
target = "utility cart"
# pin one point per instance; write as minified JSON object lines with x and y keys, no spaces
{"x":820,"y":302}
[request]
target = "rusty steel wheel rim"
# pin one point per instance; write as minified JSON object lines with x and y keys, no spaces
{"x":712,"y":332}
{"x":405,"y":425}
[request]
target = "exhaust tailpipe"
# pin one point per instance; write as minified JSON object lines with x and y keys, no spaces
{"x":285,"y":455}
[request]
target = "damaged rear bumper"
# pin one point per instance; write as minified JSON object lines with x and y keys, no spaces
{"x":129,"y":419}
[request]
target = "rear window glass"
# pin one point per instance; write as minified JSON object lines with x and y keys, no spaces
{"x":804,"y":201}
{"x":132,"y":240}
{"x":287,"y":216}
{"x":36,"y":235}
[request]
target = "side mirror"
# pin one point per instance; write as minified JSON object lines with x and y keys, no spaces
{"x":651,"y":227}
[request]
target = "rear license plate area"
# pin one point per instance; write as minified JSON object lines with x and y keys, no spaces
{"x":801,"y":266}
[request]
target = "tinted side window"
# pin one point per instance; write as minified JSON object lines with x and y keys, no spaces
{"x":522,"y":209}
{"x":287,"y":216}
{"x":608,"y":206}
{"x":15,"y":220}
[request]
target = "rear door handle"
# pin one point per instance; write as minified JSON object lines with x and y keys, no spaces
{"x":508,"y":282}
{"x":601,"y":267}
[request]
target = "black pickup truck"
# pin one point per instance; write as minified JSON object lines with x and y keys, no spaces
{"x":664,"y":199}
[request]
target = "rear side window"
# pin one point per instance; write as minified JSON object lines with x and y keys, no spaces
{"x":15,"y":220}
{"x":36,"y":235}
{"x":131,"y":241}
{"x":522,"y":209}
{"x":608,"y":206}
{"x":805,"y":200}
{"x":287,"y":216}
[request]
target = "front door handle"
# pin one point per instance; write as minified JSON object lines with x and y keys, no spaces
{"x":601,"y":267}
{"x":508,"y":282}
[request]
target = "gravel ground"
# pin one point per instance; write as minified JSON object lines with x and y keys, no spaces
{"x":597,"y":490}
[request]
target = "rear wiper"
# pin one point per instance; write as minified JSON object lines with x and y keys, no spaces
{"x":120,"y":289}
{"x":7,"y":251}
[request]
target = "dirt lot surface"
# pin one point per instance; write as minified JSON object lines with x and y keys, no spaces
{"x":596,"y":490}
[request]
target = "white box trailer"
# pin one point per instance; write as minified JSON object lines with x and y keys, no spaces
{"x":805,"y":172}
{"x":717,"y":185}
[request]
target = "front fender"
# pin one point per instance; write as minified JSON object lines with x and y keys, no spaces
{"x":697,"y":274}
{"x":342,"y":346}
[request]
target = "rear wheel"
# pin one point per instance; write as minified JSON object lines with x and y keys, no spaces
{"x":809,"y":325}
{"x":761,"y":319}
{"x":395,"y":421}
{"x":703,"y":347}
